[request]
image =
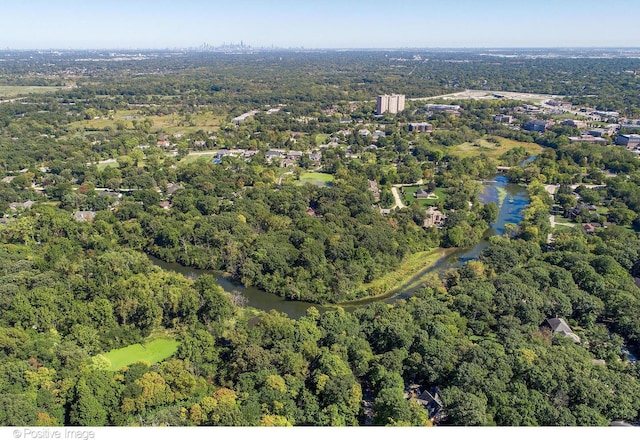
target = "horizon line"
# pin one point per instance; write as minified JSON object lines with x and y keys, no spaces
{"x":205,"y":46}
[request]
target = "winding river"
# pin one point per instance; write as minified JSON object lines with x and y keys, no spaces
{"x":511,"y":200}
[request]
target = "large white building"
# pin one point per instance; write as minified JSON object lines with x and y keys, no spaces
{"x":390,"y":103}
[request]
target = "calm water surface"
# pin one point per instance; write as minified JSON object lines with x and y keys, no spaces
{"x":510,"y":211}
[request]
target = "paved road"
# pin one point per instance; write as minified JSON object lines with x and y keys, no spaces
{"x":396,"y":194}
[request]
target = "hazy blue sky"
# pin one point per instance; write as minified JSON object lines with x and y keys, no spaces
{"x":45,"y":24}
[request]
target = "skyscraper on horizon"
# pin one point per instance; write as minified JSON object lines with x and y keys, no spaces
{"x":389,"y":103}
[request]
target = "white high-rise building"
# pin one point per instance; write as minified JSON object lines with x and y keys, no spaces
{"x":390,"y":103}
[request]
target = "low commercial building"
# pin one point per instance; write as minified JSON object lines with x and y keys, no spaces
{"x":589,"y":139}
{"x":628,"y":140}
{"x":536,"y":125}
{"x":503,"y":118}
{"x":421,"y":127}
{"x":574,"y":123}
{"x":441,"y":107}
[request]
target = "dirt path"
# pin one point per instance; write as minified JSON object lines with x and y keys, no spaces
{"x":397,"y":198}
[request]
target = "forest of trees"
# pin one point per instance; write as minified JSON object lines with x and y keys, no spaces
{"x":72,"y":290}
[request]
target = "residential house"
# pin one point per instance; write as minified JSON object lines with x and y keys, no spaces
{"x":294,"y":155}
{"x":559,"y":327}
{"x":434,"y":218}
{"x":422,"y":194}
{"x":316,"y":158}
{"x":578,"y":210}
{"x":430,"y":400}
{"x":274,"y":154}
{"x":590,"y":228}
{"x":25,"y":205}
{"x":249,"y":154}
{"x":173,"y":187}
{"x":84,"y":216}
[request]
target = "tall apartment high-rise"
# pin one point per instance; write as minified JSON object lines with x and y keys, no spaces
{"x":389,"y":103}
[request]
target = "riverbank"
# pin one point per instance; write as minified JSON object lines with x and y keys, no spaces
{"x":413,"y":272}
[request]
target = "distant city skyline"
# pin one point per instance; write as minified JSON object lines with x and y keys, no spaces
{"x":330,"y":24}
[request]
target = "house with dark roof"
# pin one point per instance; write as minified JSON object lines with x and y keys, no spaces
{"x":558,"y":326}
{"x":422,"y":194}
{"x":430,"y":400}
{"x":173,"y":187}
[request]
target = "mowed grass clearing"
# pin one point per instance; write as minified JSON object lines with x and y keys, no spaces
{"x":490,"y":149}
{"x":171,"y":123}
{"x":13,"y":91}
{"x":412,"y":272}
{"x":318,"y":179}
{"x":153,"y":351}
{"x":208,"y":157}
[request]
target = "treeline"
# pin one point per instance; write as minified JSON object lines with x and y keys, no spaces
{"x":477,"y":338}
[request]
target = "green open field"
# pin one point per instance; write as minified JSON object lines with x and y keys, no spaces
{"x":13,"y":91}
{"x":196,"y":157}
{"x":319,"y":179}
{"x":480,"y":146}
{"x":153,"y":351}
{"x":322,"y":138}
{"x":172,"y":123}
{"x":409,"y":196}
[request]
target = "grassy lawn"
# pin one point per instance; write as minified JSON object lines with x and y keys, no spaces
{"x":494,"y":151}
{"x":321,"y":138}
{"x":153,"y":351}
{"x":562,"y":227}
{"x":13,"y":91}
{"x":194,"y":158}
{"x":172,"y":123}
{"x":319,"y":179}
{"x":410,"y":198}
{"x":102,"y":166}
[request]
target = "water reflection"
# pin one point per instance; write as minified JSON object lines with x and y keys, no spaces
{"x":511,"y":200}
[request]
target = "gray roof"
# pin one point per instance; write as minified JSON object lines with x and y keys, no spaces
{"x":558,"y":325}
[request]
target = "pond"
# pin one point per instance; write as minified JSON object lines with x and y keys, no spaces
{"x":511,"y":200}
